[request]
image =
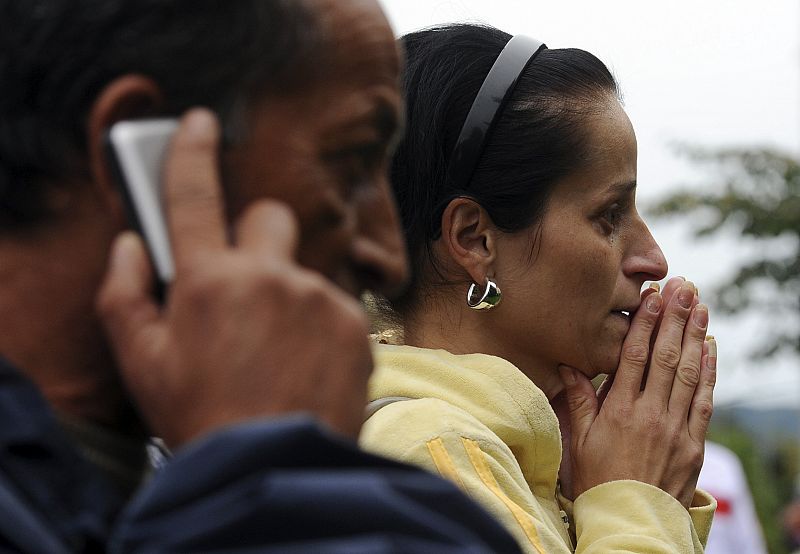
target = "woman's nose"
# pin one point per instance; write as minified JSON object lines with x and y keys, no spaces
{"x":645,"y":260}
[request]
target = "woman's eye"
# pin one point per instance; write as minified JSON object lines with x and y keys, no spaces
{"x":610,"y":218}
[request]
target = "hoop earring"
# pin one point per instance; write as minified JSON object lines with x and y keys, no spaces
{"x":490,"y":298}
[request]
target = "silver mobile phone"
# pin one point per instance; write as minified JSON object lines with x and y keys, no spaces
{"x":136,"y":150}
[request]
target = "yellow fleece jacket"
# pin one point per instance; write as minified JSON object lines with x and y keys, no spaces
{"x":480,"y":422}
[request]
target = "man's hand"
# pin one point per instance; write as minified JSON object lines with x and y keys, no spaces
{"x":246,"y":332}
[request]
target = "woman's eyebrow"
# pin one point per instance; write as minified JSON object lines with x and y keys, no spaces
{"x":621,"y":189}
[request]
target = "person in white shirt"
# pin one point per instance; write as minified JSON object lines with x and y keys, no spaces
{"x":736,"y":527}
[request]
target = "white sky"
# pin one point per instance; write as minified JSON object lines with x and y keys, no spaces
{"x":711,"y":73}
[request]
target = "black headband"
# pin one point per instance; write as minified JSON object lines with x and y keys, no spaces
{"x":488,"y":105}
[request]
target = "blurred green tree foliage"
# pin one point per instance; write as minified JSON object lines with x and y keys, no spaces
{"x":757,"y":194}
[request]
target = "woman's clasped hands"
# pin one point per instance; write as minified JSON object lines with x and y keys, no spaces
{"x":648,"y":421}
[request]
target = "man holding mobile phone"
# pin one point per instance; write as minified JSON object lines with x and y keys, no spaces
{"x":261,"y":338}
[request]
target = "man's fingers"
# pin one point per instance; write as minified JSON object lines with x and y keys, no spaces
{"x":703,"y":401}
{"x":636,"y":347}
{"x":667,"y":349}
{"x":125,"y":301}
{"x":582,"y":401}
{"x":269,"y":227}
{"x":194,"y":205}
{"x":687,"y":377}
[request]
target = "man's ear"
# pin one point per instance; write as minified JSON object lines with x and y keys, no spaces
{"x":127,"y":97}
{"x":468,"y":237}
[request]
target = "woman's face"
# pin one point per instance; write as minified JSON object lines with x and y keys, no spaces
{"x":567,"y":298}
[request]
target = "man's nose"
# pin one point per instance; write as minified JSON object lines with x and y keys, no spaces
{"x":379,"y":250}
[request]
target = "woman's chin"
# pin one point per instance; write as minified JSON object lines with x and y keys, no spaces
{"x":602,"y":360}
{"x":605,"y":362}
{"x":595,"y":372}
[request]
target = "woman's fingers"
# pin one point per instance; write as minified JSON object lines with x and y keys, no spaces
{"x":670,"y":288}
{"x":687,"y":376}
{"x":703,"y":401}
{"x":667,"y":348}
{"x":655,"y":433}
{"x":582,"y":402}
{"x":636,"y":348}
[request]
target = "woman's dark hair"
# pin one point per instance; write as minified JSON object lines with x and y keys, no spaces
{"x":57,"y":55}
{"x":539,"y":138}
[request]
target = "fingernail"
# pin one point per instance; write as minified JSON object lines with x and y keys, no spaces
{"x":676,"y":280}
{"x":567,"y":375}
{"x":199,"y":121}
{"x":701,"y":315}
{"x":121,"y":252}
{"x":653,"y":303}
{"x":686,"y":294}
{"x":655,"y":286}
{"x":712,"y":353}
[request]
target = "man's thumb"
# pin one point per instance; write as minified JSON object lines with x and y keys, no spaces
{"x":581,"y":399}
{"x":125,"y":303}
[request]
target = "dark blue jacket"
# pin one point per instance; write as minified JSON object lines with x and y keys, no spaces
{"x":282,"y":485}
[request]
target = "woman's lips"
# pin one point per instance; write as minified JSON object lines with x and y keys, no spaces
{"x":622,"y":316}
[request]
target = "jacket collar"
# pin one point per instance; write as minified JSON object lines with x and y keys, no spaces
{"x":489,"y":388}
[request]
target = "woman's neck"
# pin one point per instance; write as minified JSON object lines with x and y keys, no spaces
{"x":470,"y":333}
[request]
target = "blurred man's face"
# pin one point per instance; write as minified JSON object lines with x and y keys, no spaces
{"x":324,"y":151}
